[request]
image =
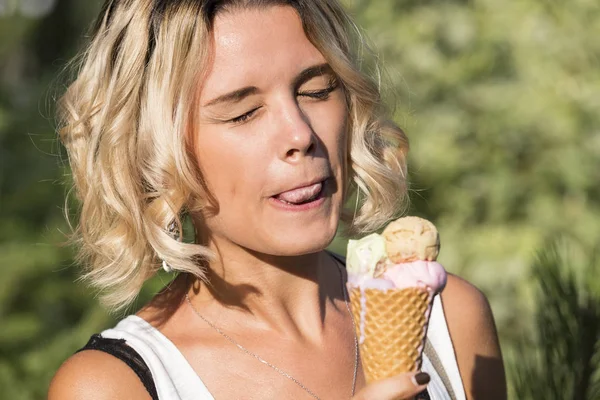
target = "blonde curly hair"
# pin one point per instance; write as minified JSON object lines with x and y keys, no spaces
{"x":124,"y":121}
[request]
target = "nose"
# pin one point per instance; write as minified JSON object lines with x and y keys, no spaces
{"x":298,"y":139}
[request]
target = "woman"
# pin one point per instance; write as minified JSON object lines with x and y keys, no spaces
{"x":252,"y":119}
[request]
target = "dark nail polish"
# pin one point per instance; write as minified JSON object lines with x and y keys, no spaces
{"x":422,"y":378}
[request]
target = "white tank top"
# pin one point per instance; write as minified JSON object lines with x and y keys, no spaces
{"x":175,"y":379}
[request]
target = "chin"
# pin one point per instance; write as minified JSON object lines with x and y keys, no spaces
{"x":302,"y":242}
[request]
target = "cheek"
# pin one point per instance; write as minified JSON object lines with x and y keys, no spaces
{"x":224,"y":162}
{"x":330,"y":123}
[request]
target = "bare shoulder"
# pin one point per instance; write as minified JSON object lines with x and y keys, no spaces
{"x":95,"y":375}
{"x":475,"y":339}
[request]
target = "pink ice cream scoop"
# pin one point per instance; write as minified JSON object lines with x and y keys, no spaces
{"x":425,"y":274}
{"x":422,"y":274}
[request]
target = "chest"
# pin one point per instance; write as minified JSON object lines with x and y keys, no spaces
{"x":277,"y":367}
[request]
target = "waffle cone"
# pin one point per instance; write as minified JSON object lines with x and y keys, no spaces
{"x":394,"y":329}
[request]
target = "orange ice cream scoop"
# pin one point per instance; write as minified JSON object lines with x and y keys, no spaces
{"x":410,"y":239}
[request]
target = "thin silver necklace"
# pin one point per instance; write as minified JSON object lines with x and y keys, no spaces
{"x":280,"y":371}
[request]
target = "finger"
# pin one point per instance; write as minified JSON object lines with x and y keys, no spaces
{"x":403,"y":386}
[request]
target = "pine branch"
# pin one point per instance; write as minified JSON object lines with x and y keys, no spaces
{"x":561,"y":363}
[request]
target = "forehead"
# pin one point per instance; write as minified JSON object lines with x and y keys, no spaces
{"x":258,"y":46}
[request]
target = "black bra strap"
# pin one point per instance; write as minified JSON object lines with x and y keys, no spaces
{"x":125,"y":353}
{"x":338,"y":257}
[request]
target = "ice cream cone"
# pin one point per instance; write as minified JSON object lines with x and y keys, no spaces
{"x":391,"y":326}
{"x":392,"y":279}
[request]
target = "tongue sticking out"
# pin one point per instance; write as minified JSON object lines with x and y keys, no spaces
{"x":301,"y":195}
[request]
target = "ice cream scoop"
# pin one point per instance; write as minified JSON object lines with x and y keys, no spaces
{"x":403,"y":255}
{"x":364,"y":254}
{"x":422,"y":274}
{"x":410,"y":239}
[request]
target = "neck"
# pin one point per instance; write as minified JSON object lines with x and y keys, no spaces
{"x":287,"y":294}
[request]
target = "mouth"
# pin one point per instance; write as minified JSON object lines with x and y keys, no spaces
{"x":301,"y":198}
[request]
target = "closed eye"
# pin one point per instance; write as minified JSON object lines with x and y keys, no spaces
{"x":312,"y":94}
{"x":319,"y":94}
{"x":244,"y":117}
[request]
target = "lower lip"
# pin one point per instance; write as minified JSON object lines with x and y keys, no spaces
{"x":317,"y":202}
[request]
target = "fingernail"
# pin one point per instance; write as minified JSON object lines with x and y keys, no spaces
{"x":421,"y":378}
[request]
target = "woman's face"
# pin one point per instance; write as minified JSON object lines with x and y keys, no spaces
{"x":271,"y":135}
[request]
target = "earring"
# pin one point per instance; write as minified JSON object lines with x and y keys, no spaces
{"x":168,"y":269}
{"x":173,"y":231}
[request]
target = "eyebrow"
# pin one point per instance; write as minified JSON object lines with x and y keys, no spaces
{"x":240,"y":94}
{"x":313,"y":72}
{"x":234,"y":97}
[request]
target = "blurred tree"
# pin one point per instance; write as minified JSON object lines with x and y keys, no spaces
{"x":561,"y":359}
{"x":500,"y":101}
{"x":44,"y":316}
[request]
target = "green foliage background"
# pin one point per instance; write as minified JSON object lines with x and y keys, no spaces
{"x":500,"y":101}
